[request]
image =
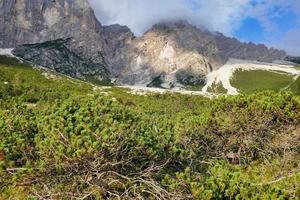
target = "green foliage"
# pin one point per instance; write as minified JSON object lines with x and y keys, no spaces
{"x":72,"y":142}
{"x":295,"y":87}
{"x":156,"y":82}
{"x":258,"y":80}
{"x":95,"y":80}
{"x":225,"y":181}
{"x":17,"y":132}
{"x":217,"y":88}
{"x":19,"y":80}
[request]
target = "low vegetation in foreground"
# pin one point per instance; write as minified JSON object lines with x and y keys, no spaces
{"x":249,"y":81}
{"x":59,"y":139}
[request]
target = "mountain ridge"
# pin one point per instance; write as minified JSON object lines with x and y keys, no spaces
{"x":168,"y":50}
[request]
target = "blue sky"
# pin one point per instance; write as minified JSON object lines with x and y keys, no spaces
{"x":282,"y":19}
{"x":275,"y":23}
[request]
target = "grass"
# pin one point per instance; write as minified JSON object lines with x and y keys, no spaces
{"x":297,"y":67}
{"x":295,"y":87}
{"x":259,"y":80}
{"x":96,"y":81}
{"x":195,"y":87}
{"x":21,"y":80}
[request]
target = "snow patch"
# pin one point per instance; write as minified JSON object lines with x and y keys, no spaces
{"x":6,"y":52}
{"x":225,"y":73}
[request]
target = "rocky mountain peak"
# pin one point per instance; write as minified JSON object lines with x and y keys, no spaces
{"x":28,"y":21}
{"x":174,"y":53}
{"x":39,"y":21}
{"x":116,"y":37}
{"x":158,"y":55}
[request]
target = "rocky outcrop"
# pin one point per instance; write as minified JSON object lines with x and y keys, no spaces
{"x":116,"y":38}
{"x":175,"y":51}
{"x":232,"y":48}
{"x":214,"y":46}
{"x":33,"y":21}
{"x":38,"y":21}
{"x":65,"y":35}
{"x":58,"y":55}
{"x":154,"y":55}
{"x":293,"y":59}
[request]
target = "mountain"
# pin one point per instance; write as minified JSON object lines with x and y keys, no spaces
{"x":177,"y":52}
{"x":293,"y":59}
{"x":39,"y":21}
{"x":59,"y":56}
{"x":156,"y":55}
{"x":66,"y":36}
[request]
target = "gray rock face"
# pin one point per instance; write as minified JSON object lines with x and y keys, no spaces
{"x":33,"y":21}
{"x":59,"y":56}
{"x":156,"y":57}
{"x":116,"y":37}
{"x":293,"y":59}
{"x":38,"y":21}
{"x":168,"y":51}
{"x":214,"y":46}
{"x":66,"y":36}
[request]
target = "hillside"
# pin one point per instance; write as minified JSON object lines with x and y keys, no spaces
{"x":61,"y":138}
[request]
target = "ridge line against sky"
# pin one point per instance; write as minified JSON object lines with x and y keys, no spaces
{"x":275,"y":23}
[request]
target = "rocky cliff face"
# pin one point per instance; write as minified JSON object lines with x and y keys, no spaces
{"x":38,"y":21}
{"x":158,"y":55}
{"x":177,"y":52}
{"x":116,"y":38}
{"x":33,"y":21}
{"x":293,"y":59}
{"x":66,"y":36}
{"x":214,"y":46}
{"x":59,"y":56}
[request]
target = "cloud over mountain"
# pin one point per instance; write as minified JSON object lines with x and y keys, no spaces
{"x":215,"y":15}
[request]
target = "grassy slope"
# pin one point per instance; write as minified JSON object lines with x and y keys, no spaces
{"x":295,"y":87}
{"x":258,"y":80}
{"x":29,"y":84}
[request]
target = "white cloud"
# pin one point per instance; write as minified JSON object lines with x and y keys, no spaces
{"x":268,"y":11}
{"x":224,"y":16}
{"x":216,"y":15}
{"x":290,"y":42}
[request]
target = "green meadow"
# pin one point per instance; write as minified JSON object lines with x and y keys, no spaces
{"x":247,"y":81}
